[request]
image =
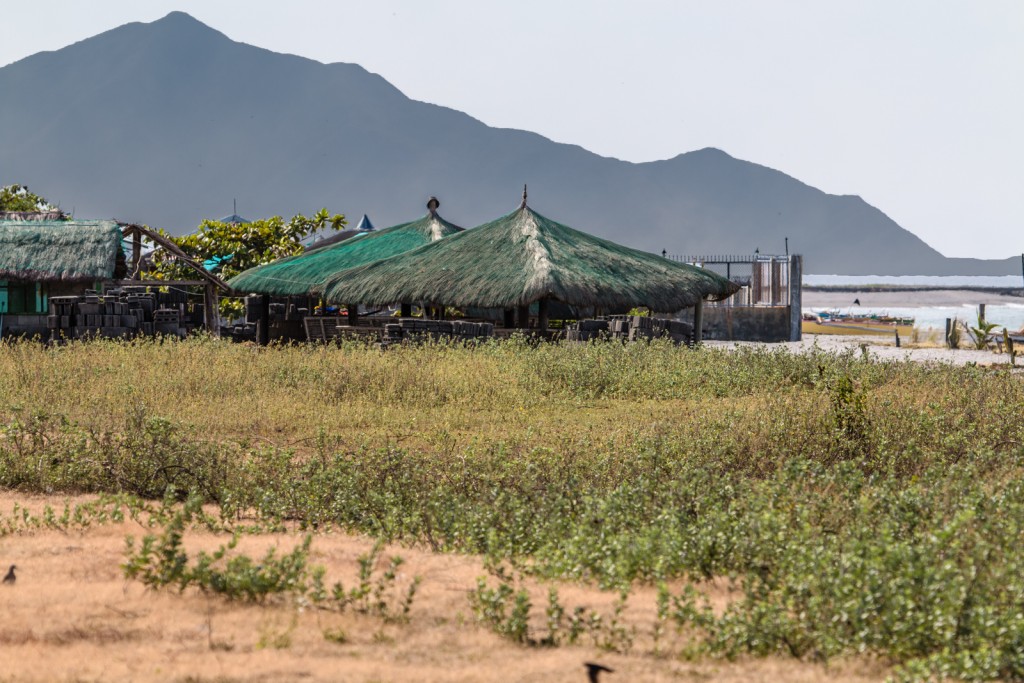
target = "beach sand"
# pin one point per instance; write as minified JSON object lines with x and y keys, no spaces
{"x":883,"y":349}
{"x":72,"y":616}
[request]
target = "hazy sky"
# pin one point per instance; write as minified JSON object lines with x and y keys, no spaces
{"x":917,"y":106}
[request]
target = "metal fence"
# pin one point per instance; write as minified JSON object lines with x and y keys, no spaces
{"x":764,"y":279}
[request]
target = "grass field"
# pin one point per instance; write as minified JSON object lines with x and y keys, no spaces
{"x":752,"y":504}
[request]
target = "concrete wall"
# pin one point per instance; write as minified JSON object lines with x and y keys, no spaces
{"x":744,"y":323}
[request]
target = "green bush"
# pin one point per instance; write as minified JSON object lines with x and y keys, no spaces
{"x":859,"y":506}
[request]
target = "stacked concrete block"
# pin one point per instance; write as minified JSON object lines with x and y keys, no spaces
{"x":168,"y":321}
{"x":117,"y":314}
{"x":585,"y":330}
{"x":631,"y":328}
{"x":463,"y":329}
{"x":418,"y":329}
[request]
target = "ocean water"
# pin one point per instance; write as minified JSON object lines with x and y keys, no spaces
{"x":916,"y":280}
{"x":1010,"y":316}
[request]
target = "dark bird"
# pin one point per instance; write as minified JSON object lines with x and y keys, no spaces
{"x":593,"y":670}
{"x":10,"y":578}
{"x":856,"y":301}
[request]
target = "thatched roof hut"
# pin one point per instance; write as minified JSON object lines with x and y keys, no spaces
{"x":59,"y":251}
{"x":524,"y":257}
{"x":304,"y":273}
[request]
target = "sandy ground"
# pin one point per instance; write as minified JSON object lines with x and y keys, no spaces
{"x":71,"y":616}
{"x":905,"y":299}
{"x":883,"y":348}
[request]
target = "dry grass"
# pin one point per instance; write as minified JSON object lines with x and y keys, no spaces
{"x":72,"y":617}
{"x":416,"y":398}
{"x":857,"y":328}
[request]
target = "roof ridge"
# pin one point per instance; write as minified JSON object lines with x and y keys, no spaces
{"x":538,"y":254}
{"x":436,"y":224}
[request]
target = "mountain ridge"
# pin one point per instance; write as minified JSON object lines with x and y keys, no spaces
{"x":166,"y":122}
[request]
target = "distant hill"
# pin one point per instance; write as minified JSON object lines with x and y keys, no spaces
{"x":165,"y":123}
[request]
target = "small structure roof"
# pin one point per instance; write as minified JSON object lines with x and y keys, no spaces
{"x":364,"y":224}
{"x":524,"y":257}
{"x":305,"y":273}
{"x":364,"y":227}
{"x":68,"y":251}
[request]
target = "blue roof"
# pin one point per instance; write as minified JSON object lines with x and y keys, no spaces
{"x":364,"y":223}
{"x":233,"y":218}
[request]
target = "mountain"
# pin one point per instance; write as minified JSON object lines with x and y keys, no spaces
{"x":166,"y":123}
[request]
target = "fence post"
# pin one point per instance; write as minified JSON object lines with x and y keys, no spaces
{"x":698,"y":322}
{"x":523,"y":317}
{"x":796,"y":317}
{"x":211,"y":310}
{"x":263,"y":327}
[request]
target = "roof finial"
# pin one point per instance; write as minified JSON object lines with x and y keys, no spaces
{"x":432,"y":205}
{"x":523,"y":205}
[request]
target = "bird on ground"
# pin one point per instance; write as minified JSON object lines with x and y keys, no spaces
{"x":593,"y":670}
{"x":10,"y":578}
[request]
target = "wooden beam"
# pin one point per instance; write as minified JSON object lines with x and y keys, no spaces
{"x":263,"y":327}
{"x":157,"y":238}
{"x":523,"y":317}
{"x":211,"y":306}
{"x":136,"y":252}
{"x":160,"y":283}
{"x":542,"y":315}
{"x":698,"y":322}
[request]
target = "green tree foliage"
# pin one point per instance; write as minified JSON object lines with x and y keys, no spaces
{"x":230,"y":248}
{"x":18,"y":198}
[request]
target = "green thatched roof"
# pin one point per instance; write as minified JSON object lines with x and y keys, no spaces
{"x":70,"y":251}
{"x":524,"y":257}
{"x":301,"y":274}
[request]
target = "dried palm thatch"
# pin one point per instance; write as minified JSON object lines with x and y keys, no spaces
{"x":67,"y":251}
{"x":302,"y":274}
{"x":524,"y":257}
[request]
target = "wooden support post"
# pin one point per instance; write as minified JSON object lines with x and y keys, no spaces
{"x":542,"y":315}
{"x":698,"y":322}
{"x":136,"y":254}
{"x":510,"y":318}
{"x":981,"y":314}
{"x":949,"y":328}
{"x":796,"y":317}
{"x":263,"y":327}
{"x":353,"y":314}
{"x":211,"y":309}
{"x":523,"y":317}
{"x":405,"y":311}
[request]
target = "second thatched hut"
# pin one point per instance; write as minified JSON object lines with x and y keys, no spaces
{"x":522,"y":258}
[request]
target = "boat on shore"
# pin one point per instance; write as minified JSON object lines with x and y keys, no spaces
{"x":835,"y":322}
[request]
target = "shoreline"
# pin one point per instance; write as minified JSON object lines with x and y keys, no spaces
{"x":1002,"y":291}
{"x":842,"y":296}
